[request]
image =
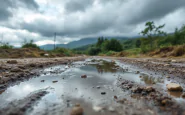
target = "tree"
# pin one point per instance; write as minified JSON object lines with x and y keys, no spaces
{"x":30,"y":45}
{"x":112,"y":45}
{"x":100,"y":41}
{"x":138,"y":43}
{"x":94,"y":51}
{"x":151,"y":31}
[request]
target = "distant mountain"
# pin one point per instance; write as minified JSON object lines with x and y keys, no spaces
{"x":79,"y":43}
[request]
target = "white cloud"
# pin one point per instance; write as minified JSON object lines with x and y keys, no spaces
{"x":75,"y":19}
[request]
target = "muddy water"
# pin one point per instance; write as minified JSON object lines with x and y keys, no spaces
{"x":66,"y":87}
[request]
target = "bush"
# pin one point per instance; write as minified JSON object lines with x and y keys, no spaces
{"x":112,"y":45}
{"x":30,"y":45}
{"x":64,"y":51}
{"x":94,"y":51}
{"x":6,"y":46}
{"x":179,"y":51}
{"x":110,"y":53}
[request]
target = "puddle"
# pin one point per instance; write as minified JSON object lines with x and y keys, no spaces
{"x":69,"y":87}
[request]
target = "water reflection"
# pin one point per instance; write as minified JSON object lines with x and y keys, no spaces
{"x":105,"y":67}
{"x":150,"y":80}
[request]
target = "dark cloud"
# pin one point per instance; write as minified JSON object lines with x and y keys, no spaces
{"x":77,"y":5}
{"x":156,"y":9}
{"x":80,"y":18}
{"x":7,"y":5}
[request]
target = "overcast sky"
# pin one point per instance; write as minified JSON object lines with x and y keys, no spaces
{"x":22,"y":20}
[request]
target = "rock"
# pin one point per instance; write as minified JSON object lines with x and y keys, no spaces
{"x":97,"y":108}
{"x":111,"y":109}
{"x":84,"y":76}
{"x":115,"y":97}
{"x":16,"y":70}
{"x":32,"y":65}
{"x":167,"y":76}
{"x":149,"y":89}
{"x":173,"y":61}
{"x":103,"y":93}
{"x":46,"y":55}
{"x":174,"y":87}
{"x":12,"y":62}
{"x":137,"y":72}
{"x":77,"y":110}
{"x":54,"y":81}
{"x":4,"y":79}
{"x":183,"y":95}
{"x":98,"y":87}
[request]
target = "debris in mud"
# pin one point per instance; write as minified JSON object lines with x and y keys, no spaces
{"x":77,"y":110}
{"x":115,"y":97}
{"x":183,"y":95}
{"x":54,"y":81}
{"x":98,"y":87}
{"x":167,"y":76}
{"x":97,"y":108}
{"x":84,"y":76}
{"x":174,"y":87}
{"x":103,"y":93}
{"x":111,"y":109}
{"x":12,"y":62}
{"x":16,"y":70}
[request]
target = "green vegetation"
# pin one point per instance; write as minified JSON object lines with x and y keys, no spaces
{"x":105,"y":46}
{"x":154,"y":42}
{"x":5,"y":46}
{"x":30,"y":45}
{"x":62,"y":52}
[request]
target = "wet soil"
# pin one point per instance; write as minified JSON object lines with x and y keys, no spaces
{"x":112,"y":86}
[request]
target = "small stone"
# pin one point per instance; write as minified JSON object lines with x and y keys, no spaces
{"x":42,"y":80}
{"x":111,"y":109}
{"x":115,"y":97}
{"x":46,"y":55}
{"x":103,"y":93}
{"x":16,"y":70}
{"x":98,"y":87}
{"x":183,"y":95}
{"x":174,"y":87}
{"x":12,"y":62}
{"x":137,"y":72}
{"x":167,"y":76}
{"x":84,"y":76}
{"x":97,"y":108}
{"x":77,"y":110}
{"x":54,"y":81}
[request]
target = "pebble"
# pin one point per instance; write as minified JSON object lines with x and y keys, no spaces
{"x":103,"y":93}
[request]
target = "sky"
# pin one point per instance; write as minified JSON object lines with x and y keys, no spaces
{"x":38,"y":20}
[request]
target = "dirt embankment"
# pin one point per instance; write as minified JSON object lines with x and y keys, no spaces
{"x":14,"y":70}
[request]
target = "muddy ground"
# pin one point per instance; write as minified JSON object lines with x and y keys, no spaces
{"x":152,"y":97}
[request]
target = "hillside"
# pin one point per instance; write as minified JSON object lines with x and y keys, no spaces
{"x":80,"y":43}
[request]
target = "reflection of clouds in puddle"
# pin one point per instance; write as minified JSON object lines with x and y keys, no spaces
{"x":71,"y":86}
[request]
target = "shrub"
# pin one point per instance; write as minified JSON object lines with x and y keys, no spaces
{"x":110,"y":53}
{"x":94,"y":51}
{"x":179,"y":51}
{"x":30,"y":45}
{"x":6,"y":46}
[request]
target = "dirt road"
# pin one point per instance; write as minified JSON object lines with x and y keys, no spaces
{"x":108,"y":86}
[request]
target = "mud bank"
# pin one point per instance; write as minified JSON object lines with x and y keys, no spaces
{"x":13,"y":71}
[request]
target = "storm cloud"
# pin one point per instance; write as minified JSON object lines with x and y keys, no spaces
{"x":6,"y":7}
{"x":75,"y":19}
